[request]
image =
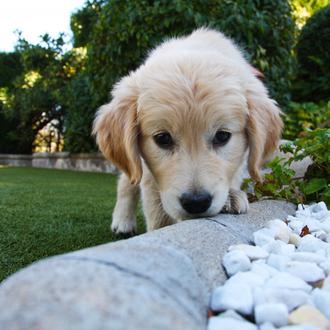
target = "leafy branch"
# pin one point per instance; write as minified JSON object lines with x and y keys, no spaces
{"x":282,"y":182}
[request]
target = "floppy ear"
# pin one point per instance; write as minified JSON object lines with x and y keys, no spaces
{"x":264,"y":128}
{"x":116,"y":129}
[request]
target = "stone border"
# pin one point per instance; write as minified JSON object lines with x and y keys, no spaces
{"x":90,"y":162}
{"x":15,"y":160}
{"x":160,"y":280}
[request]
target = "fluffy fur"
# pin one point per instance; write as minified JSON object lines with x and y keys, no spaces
{"x":190,"y":87}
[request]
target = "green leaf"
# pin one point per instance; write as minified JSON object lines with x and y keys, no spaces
{"x":326,"y":193}
{"x":315,"y":185}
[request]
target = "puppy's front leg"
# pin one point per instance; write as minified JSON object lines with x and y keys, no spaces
{"x":123,"y":217}
{"x":152,"y":206}
{"x":237,"y":202}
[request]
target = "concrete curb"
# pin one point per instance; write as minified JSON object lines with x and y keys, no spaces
{"x":159,"y":280}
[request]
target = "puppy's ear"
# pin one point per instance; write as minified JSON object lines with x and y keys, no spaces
{"x":116,"y":129}
{"x":264,"y":128}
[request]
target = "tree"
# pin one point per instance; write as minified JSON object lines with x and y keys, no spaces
{"x":83,"y":21}
{"x":37,"y":98}
{"x":127,"y":30}
{"x":304,"y":9}
{"x":313,"y":54}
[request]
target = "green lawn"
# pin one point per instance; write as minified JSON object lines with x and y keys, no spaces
{"x":46,"y":212}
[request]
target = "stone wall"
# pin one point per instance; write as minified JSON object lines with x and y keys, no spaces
{"x":90,"y":162}
{"x":15,"y":160}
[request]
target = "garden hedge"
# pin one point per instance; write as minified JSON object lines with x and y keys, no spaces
{"x":313,"y":55}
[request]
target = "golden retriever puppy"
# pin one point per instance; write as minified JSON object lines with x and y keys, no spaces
{"x":184,"y":126}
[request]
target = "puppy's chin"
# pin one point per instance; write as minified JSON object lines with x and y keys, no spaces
{"x":173,"y":208}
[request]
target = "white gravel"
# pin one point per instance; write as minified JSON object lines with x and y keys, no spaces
{"x":281,"y":282}
{"x":275,"y":313}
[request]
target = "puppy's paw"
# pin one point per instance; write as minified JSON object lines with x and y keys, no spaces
{"x":237,"y":202}
{"x":123,"y":226}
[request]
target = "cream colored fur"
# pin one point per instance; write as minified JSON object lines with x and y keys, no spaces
{"x":190,"y":87}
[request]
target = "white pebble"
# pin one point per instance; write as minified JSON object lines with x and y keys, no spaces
{"x":279,"y":247}
{"x":275,"y":313}
{"x":253,"y":252}
{"x":226,"y":323}
{"x":318,"y":207}
{"x":321,"y":234}
{"x":277,"y":261}
{"x":322,"y":216}
{"x":322,"y":252}
{"x":308,"y":256}
{"x":294,"y":239}
{"x":325,"y":265}
{"x":267,"y":326}
{"x":251,"y":279}
{"x":312,"y":224}
{"x":290,"y":218}
{"x":325,"y":225}
{"x":321,"y":300}
{"x":309,"y":243}
{"x":237,"y":297}
{"x":263,"y":270}
{"x":290,"y":298}
{"x":326,"y":284}
{"x":328,"y":238}
{"x":236,"y":261}
{"x":271,"y":278}
{"x":282,"y":230}
{"x":263,"y":236}
{"x":296,"y":226}
{"x":307,"y":314}
{"x":231,"y":314}
{"x":287,"y":281}
{"x":307,"y":271}
{"x":298,"y":327}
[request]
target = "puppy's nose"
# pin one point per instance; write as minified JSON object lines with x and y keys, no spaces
{"x":195,"y":203}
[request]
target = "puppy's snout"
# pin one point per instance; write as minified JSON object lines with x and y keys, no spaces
{"x":195,"y":203}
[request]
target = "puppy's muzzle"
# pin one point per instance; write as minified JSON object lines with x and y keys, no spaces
{"x":195,"y":203}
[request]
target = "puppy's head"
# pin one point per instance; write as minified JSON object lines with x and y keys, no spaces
{"x":192,"y":123}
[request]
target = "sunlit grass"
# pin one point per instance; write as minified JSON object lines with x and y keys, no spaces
{"x":48,"y":212}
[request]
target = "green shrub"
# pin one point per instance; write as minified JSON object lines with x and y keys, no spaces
{"x":313,"y":54}
{"x":126,"y":30}
{"x":302,"y":116}
{"x":10,"y":68}
{"x":79,"y":116}
{"x":308,"y":126}
{"x":281,"y":181}
{"x":9,"y":140}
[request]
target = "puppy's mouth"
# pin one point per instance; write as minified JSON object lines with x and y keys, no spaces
{"x":209,"y":213}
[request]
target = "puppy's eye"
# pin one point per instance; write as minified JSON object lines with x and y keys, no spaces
{"x":164,"y":140}
{"x":221,"y":138}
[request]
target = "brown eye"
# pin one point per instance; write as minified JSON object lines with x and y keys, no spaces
{"x":164,"y":140}
{"x":221,"y":138}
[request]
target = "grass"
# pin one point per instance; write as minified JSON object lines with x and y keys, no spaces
{"x":47,"y":212}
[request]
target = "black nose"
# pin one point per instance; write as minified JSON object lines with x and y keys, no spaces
{"x":195,"y":203}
